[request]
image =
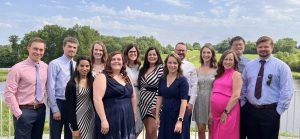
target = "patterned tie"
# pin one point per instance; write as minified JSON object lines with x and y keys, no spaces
{"x":71,"y":68}
{"x":38,"y":91}
{"x":259,"y":79}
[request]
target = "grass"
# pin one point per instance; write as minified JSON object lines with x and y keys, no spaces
{"x":3,"y":74}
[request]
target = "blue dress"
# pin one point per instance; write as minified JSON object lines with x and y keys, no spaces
{"x":172,"y":97}
{"x":118,"y":110}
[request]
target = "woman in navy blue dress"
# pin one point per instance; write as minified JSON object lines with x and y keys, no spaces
{"x":115,"y":101}
{"x":172,"y":100}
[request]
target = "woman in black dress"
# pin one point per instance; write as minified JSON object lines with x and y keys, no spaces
{"x":115,"y":101}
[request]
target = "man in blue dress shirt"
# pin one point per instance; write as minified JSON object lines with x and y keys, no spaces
{"x":59,"y":73}
{"x":266,"y":93}
{"x":237,"y":44}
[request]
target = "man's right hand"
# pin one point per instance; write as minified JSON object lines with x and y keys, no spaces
{"x":57,"y":116}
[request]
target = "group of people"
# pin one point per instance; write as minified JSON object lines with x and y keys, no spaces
{"x":114,"y":96}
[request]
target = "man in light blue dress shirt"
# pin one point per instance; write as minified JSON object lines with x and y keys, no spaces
{"x":261,"y":113}
{"x":59,"y":72}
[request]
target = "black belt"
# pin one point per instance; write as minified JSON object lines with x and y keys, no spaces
{"x":266,"y":106}
{"x":35,"y":106}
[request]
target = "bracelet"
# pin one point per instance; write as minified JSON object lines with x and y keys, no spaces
{"x":226,"y":111}
{"x":180,"y":119}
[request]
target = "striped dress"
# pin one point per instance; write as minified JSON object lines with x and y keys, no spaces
{"x":85,"y":113}
{"x":148,"y":92}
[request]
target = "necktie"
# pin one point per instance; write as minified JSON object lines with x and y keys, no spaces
{"x":38,"y":91}
{"x":71,"y":68}
{"x":259,"y":79}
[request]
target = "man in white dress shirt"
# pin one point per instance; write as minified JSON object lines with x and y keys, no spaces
{"x":189,"y":71}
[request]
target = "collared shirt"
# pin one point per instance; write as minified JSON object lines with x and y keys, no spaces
{"x":58,"y":77}
{"x":21,"y":85}
{"x":280,"y":90}
{"x":242,"y":62}
{"x":189,"y":71}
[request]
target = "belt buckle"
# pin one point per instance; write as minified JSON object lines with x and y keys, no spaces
{"x":34,"y":106}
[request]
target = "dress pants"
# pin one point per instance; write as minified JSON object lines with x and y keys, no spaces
{"x":31,"y":123}
{"x":56,"y":125}
{"x":260,"y":123}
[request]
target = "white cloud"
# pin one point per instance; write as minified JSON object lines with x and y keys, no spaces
{"x":293,"y":2}
{"x":217,"y":11}
{"x":7,"y":3}
{"x":135,"y":13}
{"x":177,"y":3}
{"x":5,"y":25}
{"x":93,"y":8}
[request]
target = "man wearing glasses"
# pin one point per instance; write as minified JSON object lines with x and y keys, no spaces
{"x":266,"y":93}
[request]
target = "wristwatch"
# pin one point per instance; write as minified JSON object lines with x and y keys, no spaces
{"x":180,"y":119}
{"x":226,"y":111}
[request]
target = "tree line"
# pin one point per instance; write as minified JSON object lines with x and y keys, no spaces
{"x":54,"y":35}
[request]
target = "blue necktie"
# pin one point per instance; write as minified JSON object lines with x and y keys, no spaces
{"x":38,"y":91}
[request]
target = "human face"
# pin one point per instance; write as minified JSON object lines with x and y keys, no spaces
{"x":70,"y":49}
{"x":116,"y":62}
{"x":172,"y":64}
{"x":83,"y":67}
{"x":238,"y":47}
{"x":180,"y":50}
{"x":264,"y":49}
{"x":132,"y":54}
{"x":36,"y":51}
{"x":152,"y":57}
{"x":97,"y":51}
{"x":206,"y":55}
{"x":228,"y":61}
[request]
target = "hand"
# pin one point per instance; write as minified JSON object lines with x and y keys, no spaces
{"x":189,"y":109}
{"x":104,"y":127}
{"x":210,"y":119}
{"x":57,"y":116}
{"x":76,"y":134}
{"x":223,"y":117}
{"x":178,"y":127}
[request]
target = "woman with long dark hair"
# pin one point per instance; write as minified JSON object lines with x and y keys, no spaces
{"x":79,"y":99}
{"x":148,"y":79}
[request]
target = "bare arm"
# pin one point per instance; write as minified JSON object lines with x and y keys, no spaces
{"x":99,"y":87}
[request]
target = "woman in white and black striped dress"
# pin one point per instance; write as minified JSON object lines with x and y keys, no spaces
{"x":81,"y":111}
{"x":148,"y":79}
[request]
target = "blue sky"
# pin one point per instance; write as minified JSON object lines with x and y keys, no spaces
{"x":169,"y":21}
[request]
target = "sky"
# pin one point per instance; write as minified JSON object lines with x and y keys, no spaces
{"x":169,"y":21}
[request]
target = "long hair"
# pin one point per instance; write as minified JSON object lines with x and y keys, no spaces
{"x":126,"y":51}
{"x":104,"y":56}
{"x":178,"y":59}
{"x":213,"y":60}
{"x":221,"y":68}
{"x":146,"y":63}
{"x":108,"y":69}
{"x":76,"y":75}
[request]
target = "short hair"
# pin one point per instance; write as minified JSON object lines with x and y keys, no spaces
{"x":182,"y":43}
{"x":236,"y":38}
{"x":70,"y":39}
{"x":264,"y":39}
{"x":35,"y":39}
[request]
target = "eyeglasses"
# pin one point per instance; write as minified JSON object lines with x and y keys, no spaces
{"x":270,"y":76}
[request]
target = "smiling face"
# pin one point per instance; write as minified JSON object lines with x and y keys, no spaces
{"x":228,"y":61}
{"x":180,"y":50}
{"x":152,"y":57}
{"x":97,"y":51}
{"x":238,"y":47}
{"x":70,"y":49}
{"x":264,"y":49}
{"x":132,"y":54}
{"x":172,"y":64}
{"x":36,"y":51}
{"x":116,"y":62}
{"x":83,"y":67}
{"x":206,"y":55}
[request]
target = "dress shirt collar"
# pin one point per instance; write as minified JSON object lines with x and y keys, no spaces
{"x":66,"y":59}
{"x":30,"y":61}
{"x":267,"y":59}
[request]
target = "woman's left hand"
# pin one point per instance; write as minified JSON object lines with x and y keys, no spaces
{"x":178,"y":127}
{"x":223,"y":117}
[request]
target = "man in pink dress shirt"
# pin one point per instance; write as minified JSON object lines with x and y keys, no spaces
{"x":27,"y":104}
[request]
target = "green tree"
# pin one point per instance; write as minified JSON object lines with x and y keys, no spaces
{"x":13,"y":39}
{"x":250,"y":48}
{"x":222,"y":46}
{"x":285,"y":45}
{"x":170,"y":47}
{"x":7,"y":57}
{"x":196,"y":46}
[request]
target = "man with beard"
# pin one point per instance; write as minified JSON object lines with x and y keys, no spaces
{"x":189,"y":71}
{"x":59,"y":72}
{"x":266,"y":96}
